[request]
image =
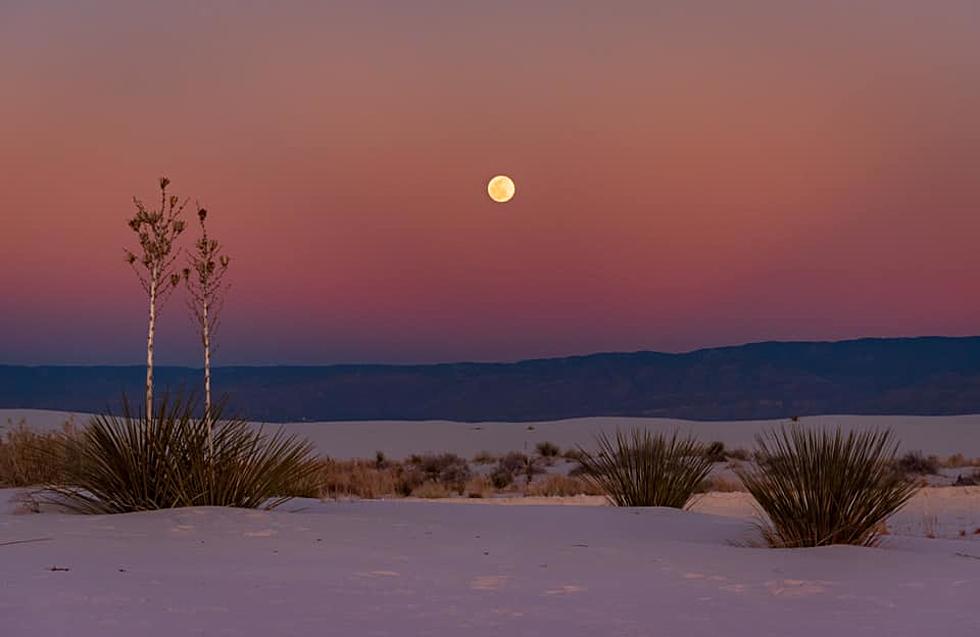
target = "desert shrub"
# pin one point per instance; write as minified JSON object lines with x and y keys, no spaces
{"x":137,"y":462}
{"x":501,"y":478}
{"x":638,"y":468}
{"x":572,"y":455}
{"x":512,"y":465}
{"x":29,"y":458}
{"x":917,"y":463}
{"x":547,"y":449}
{"x":819,"y":488}
{"x":447,"y":469}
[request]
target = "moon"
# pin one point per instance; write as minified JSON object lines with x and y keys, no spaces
{"x":501,"y":188}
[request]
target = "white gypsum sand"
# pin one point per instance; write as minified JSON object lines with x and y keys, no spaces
{"x":417,"y":568}
{"x":942,"y":435}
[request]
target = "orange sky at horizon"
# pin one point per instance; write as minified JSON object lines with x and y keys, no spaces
{"x":687,"y":176}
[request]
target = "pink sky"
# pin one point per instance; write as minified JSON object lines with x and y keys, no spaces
{"x":688,"y":174}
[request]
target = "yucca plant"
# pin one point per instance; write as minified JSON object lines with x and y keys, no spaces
{"x":138,"y":462}
{"x":638,"y":468}
{"x":818,"y":487}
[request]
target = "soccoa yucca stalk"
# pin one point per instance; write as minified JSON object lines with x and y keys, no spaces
{"x":205,"y":285}
{"x":157,"y":231}
{"x":818,"y":487}
{"x":640,"y":469}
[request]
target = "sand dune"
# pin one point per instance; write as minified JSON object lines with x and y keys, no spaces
{"x":415,"y":568}
{"x":943,"y":435}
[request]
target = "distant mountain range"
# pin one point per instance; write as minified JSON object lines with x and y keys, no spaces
{"x":915,"y":376}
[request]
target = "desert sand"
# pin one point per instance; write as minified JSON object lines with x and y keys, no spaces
{"x":440,"y":568}
{"x":941,"y":435}
{"x":480,"y":567}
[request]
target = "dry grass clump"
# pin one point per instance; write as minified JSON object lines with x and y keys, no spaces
{"x":819,"y":488}
{"x":958,"y":460}
{"x":353,"y":479}
{"x":547,"y":449}
{"x":433,"y":490}
{"x":562,"y":486}
{"x":484,"y":458}
{"x":29,"y":458}
{"x":478,"y":487}
{"x":427,"y":476}
{"x":914,"y":462}
{"x":638,"y":468}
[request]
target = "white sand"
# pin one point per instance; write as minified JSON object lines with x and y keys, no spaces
{"x":942,"y":435}
{"x":416,"y":568}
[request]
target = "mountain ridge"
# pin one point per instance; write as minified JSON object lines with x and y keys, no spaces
{"x":927,"y":375}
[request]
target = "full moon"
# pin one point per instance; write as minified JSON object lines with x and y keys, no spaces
{"x":501,"y":188}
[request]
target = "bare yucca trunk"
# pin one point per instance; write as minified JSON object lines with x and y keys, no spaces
{"x":157,"y":231}
{"x":150,"y":334}
{"x":206,"y":337}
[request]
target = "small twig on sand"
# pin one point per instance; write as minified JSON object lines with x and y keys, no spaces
{"x":972,"y":557}
{"x":37,"y":539}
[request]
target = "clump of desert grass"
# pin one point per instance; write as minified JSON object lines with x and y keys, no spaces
{"x":819,"y":488}
{"x":915,"y":462}
{"x":420,"y":475}
{"x":958,"y":461}
{"x":559,"y":486}
{"x":30,"y":458}
{"x":484,"y":458}
{"x":340,"y":479}
{"x":547,"y":450}
{"x":637,"y":468}
{"x":164,"y":459}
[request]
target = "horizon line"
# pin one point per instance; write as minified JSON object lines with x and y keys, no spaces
{"x":510,"y":362}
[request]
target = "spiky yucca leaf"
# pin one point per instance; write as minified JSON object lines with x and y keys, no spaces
{"x":137,"y":462}
{"x":819,"y":487}
{"x":638,"y":468}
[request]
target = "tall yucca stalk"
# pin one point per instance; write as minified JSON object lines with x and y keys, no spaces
{"x":640,"y":469}
{"x":204,"y":279}
{"x":138,"y":462}
{"x":819,"y":487}
{"x":157,"y":231}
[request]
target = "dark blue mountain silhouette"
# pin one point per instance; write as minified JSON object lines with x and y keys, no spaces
{"x":926,"y":376}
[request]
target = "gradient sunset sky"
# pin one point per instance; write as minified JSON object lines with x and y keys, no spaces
{"x":688,"y":174}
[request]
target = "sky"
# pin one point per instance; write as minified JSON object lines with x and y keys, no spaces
{"x":689,"y":174}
